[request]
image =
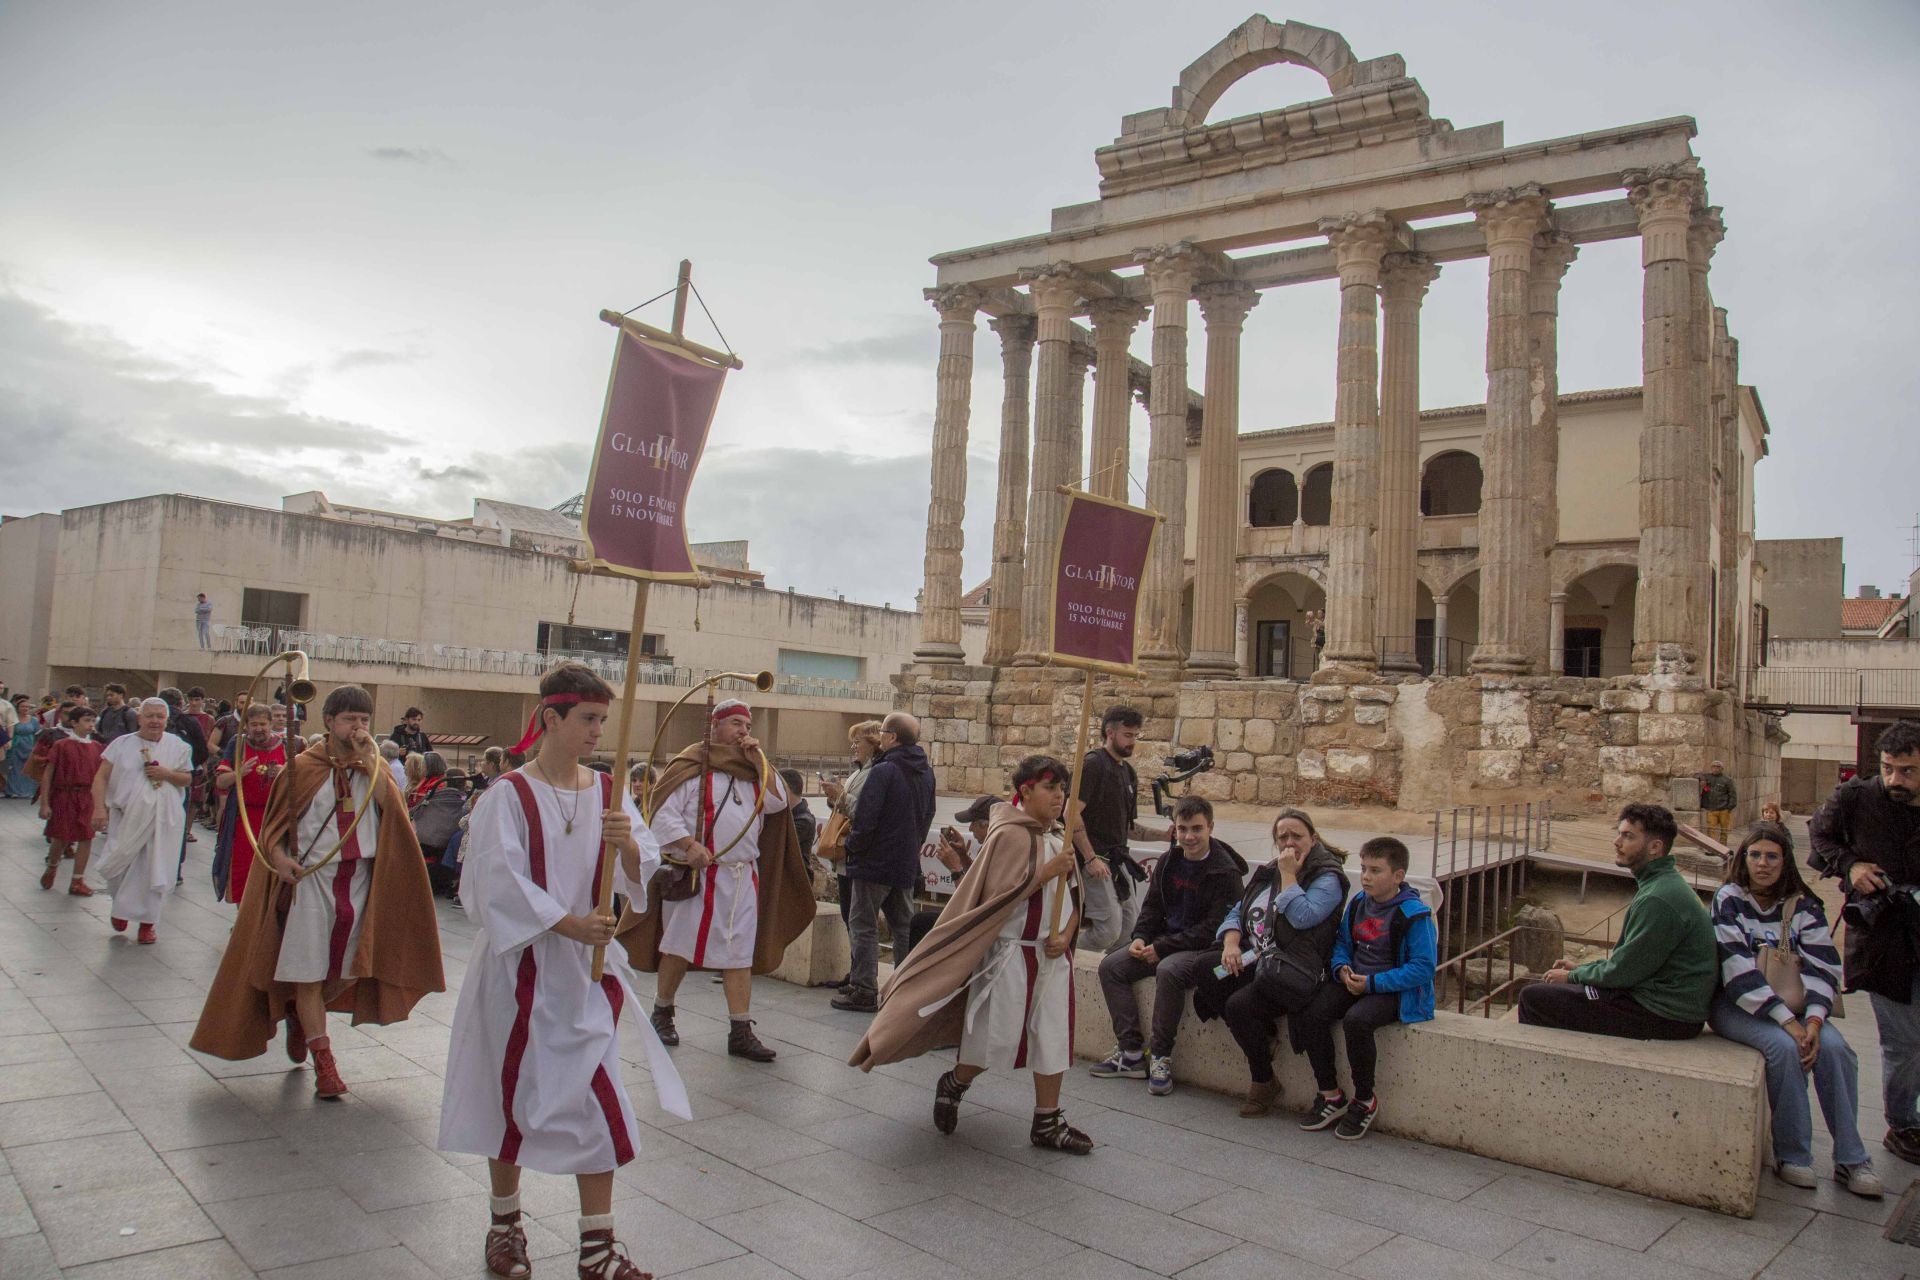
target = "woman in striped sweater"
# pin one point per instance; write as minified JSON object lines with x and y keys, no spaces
{"x":1765,"y":902}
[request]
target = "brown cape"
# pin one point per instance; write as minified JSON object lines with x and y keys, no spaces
{"x":786,"y":887}
{"x":1004,"y":874}
{"x":399,"y":951}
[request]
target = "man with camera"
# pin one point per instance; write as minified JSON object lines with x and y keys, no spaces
{"x":1868,"y":834}
{"x":1110,"y":794}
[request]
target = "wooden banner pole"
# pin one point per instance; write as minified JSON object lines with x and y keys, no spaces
{"x":1073,"y":792}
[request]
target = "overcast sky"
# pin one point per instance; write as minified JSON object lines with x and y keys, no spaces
{"x":251,"y":249}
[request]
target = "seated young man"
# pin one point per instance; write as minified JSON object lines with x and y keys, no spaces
{"x":1383,"y":961}
{"x":1658,"y":983}
{"x":1192,"y":889}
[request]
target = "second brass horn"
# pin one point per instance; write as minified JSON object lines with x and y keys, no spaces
{"x":299,"y":687}
{"x":763,"y":682}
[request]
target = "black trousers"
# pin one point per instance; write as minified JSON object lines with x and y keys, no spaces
{"x":1600,"y":1011}
{"x":1251,"y":1014}
{"x":1361,"y":1016}
{"x":919,"y":926}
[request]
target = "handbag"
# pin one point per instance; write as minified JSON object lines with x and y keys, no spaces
{"x":833,"y":839}
{"x":1285,"y":980}
{"x":674,"y":882}
{"x":1781,"y":967}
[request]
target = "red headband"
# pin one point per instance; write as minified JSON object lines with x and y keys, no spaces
{"x":727,"y":710}
{"x":535,"y":728}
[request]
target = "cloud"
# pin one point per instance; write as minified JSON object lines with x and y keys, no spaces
{"x":422,"y":156}
{"x":373,"y":357}
{"x":917,"y":344}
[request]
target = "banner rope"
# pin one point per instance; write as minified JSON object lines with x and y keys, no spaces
{"x":1082,"y":481}
{"x":650,"y":301}
{"x":709,"y":315}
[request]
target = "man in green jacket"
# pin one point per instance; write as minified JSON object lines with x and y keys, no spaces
{"x":1658,"y":983}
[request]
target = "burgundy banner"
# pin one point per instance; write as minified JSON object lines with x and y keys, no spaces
{"x":660,"y":404}
{"x":1099,"y":566}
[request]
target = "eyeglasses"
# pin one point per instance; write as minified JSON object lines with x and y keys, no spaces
{"x":1756,"y":855}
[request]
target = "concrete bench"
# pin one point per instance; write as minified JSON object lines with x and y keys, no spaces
{"x":1682,"y":1121}
{"x":821,"y":954}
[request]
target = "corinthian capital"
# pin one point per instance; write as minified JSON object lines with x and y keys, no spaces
{"x":1055,"y":286}
{"x":1225,"y":304}
{"x":955,"y":302}
{"x":1016,"y":330}
{"x":1360,"y":241}
{"x":1404,"y":277}
{"x":1704,"y":234}
{"x":1169,"y":268}
{"x":1509,"y":216}
{"x":1115,"y":314}
{"x":1665,"y":190}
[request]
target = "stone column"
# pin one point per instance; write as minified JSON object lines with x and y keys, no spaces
{"x":1359,"y":241}
{"x":1010,"y":513}
{"x":1440,"y":636}
{"x":1670,"y":595}
{"x":1732,"y":476}
{"x":1169,"y":271}
{"x":1242,"y":641}
{"x":1114,"y":320}
{"x":1404,"y":279}
{"x":1557,"y":633}
{"x":1553,"y":253}
{"x":940,"y":598}
{"x":1080,"y":358}
{"x":1510,"y":219}
{"x":1055,"y":293}
{"x":1224,"y":306}
{"x":1703,"y":236}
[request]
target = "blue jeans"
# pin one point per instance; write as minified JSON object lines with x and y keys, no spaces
{"x":1836,"y":1078}
{"x":1900,"y":1056}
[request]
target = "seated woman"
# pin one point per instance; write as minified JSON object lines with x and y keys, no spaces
{"x":1287,"y":915}
{"x":1766,"y":903}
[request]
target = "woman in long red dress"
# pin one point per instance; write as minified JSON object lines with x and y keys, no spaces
{"x":261,"y":755}
{"x":66,"y":800}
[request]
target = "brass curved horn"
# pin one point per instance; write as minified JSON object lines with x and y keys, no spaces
{"x":762,"y":682}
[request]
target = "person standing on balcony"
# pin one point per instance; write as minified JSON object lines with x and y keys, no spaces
{"x":409,"y":734}
{"x":1718,"y":796}
{"x":203,"y":619}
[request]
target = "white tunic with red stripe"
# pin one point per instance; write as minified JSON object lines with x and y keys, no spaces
{"x":715,"y":928}
{"x":1020,"y":1001}
{"x":533,"y":1072}
{"x":323,"y":925}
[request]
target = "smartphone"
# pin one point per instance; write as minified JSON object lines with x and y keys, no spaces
{"x":950,"y":835}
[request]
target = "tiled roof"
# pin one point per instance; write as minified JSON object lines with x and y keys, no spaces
{"x":976,"y":598}
{"x":1867,"y":615}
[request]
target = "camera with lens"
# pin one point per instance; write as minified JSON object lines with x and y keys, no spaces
{"x":1864,"y":912}
{"x":1185,"y":765}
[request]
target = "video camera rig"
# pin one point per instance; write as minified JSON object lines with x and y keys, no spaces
{"x":1187,"y":765}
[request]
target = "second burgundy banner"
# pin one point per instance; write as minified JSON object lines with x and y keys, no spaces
{"x":1099,"y":566}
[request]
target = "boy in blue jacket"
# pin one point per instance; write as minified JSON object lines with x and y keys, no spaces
{"x":1383,"y":960}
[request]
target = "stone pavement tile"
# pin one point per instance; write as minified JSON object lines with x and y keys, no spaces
{"x":208,"y":1260}
{"x":378,"y":1062}
{"x":26,"y":1080}
{"x":1252,"y":1262}
{"x":425,"y":1130}
{"x":449,"y":1236}
{"x":50,"y":1046}
{"x":824,"y":1073}
{"x":115,"y":1034}
{"x":140,"y":1086}
{"x":27,"y":1258}
{"x":911,"y":1104}
{"x":235,"y":1171}
{"x":885,"y":1141}
{"x":1609,"y":1216}
{"x":141,"y":1054}
{"x":396,"y":1176}
{"x":916,"y":1265}
{"x":542,"y":1195}
{"x":655,"y":1234}
{"x":1091,"y":1264}
{"x":747,"y":1140}
{"x":16,"y":1219}
{"x":1402,"y":1258}
{"x":75,"y":1115}
{"x":1451,"y":1175}
{"x":1831,"y":1197}
{"x":89,"y":1226}
{"x":1158,"y":1187}
{"x":991,"y":1181}
{"x":198,"y":1121}
{"x":746,"y":1266}
{"x":785,"y":1103}
{"x":1160,"y":1243}
{"x":812,"y":1241}
{"x":702,"y":1187}
{"x":847,"y":1184}
{"x":98,"y":1008}
{"x":299,"y":1226}
{"x":999,"y":1134}
{"x":1724,"y":1250}
{"x":391,"y":1263}
{"x":975,"y":1237}
{"x":339,"y":1127}
{"x":103,"y":1163}
{"x":1854,"y":1244}
{"x":1562,"y":1254}
{"x":1301,"y":1232}
{"x":288,"y":1089}
{"x":1795,"y":1263}
{"x":172,"y":1008}
{"x":410,"y":1097}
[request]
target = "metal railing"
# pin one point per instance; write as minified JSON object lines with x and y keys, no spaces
{"x":264,"y":640}
{"x":1596,"y":660}
{"x":1480,"y":855}
{"x":1447,"y":657}
{"x":1833,"y":687}
{"x":1460,"y":966}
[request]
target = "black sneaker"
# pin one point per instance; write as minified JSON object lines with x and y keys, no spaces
{"x":1904,"y":1143}
{"x":662,"y":1019}
{"x":857,"y":1001}
{"x":1359,"y":1119}
{"x":1326,"y":1111}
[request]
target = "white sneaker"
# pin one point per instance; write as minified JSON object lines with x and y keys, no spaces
{"x":1860,"y":1179}
{"x":1795,"y":1175}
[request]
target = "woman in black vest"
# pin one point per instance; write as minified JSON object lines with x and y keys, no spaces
{"x":1275,"y":947}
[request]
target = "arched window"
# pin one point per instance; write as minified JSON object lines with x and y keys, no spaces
{"x":1316,"y":495}
{"x":1273,"y":500}
{"x":1450,"y":485}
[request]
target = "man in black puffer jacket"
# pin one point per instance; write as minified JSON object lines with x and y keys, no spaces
{"x":890,"y":824}
{"x":1193,"y":887}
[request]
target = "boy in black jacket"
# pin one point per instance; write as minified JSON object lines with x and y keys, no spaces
{"x":1194,"y":885}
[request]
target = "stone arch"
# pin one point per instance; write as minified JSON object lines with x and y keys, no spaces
{"x":1279,"y":633}
{"x":1441,"y":575}
{"x":1567,"y":565}
{"x":1316,"y":495}
{"x":1597,"y":618}
{"x":1457,"y":575}
{"x":1273,"y":499}
{"x":1450,"y":484}
{"x":1255,"y":43}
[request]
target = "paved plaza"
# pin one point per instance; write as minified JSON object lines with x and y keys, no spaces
{"x":123,"y":1155}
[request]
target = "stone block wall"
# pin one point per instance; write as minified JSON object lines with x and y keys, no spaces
{"x":1589,"y":745}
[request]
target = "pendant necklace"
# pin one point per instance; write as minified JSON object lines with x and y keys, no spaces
{"x":569,"y":817}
